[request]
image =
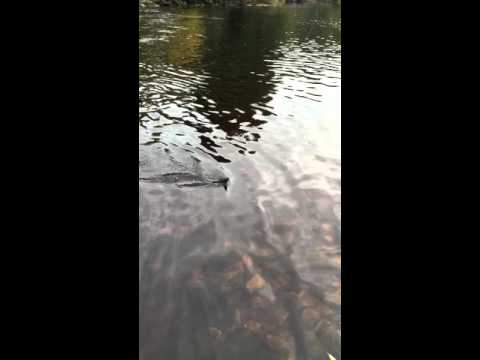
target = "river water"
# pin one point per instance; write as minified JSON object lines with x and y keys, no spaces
{"x":249,"y":270}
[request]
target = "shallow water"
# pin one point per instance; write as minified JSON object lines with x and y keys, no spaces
{"x":250,"y":270}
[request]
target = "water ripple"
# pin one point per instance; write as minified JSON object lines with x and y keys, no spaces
{"x":252,"y":93}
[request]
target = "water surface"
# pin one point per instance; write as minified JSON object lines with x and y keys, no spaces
{"x":251,"y":271}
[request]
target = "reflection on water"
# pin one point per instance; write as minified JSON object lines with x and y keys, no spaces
{"x":252,"y":94}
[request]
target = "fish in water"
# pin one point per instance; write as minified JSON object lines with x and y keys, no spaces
{"x":186,"y":179}
{"x":179,"y":167}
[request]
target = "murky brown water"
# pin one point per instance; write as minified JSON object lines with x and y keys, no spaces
{"x":251,"y":271}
